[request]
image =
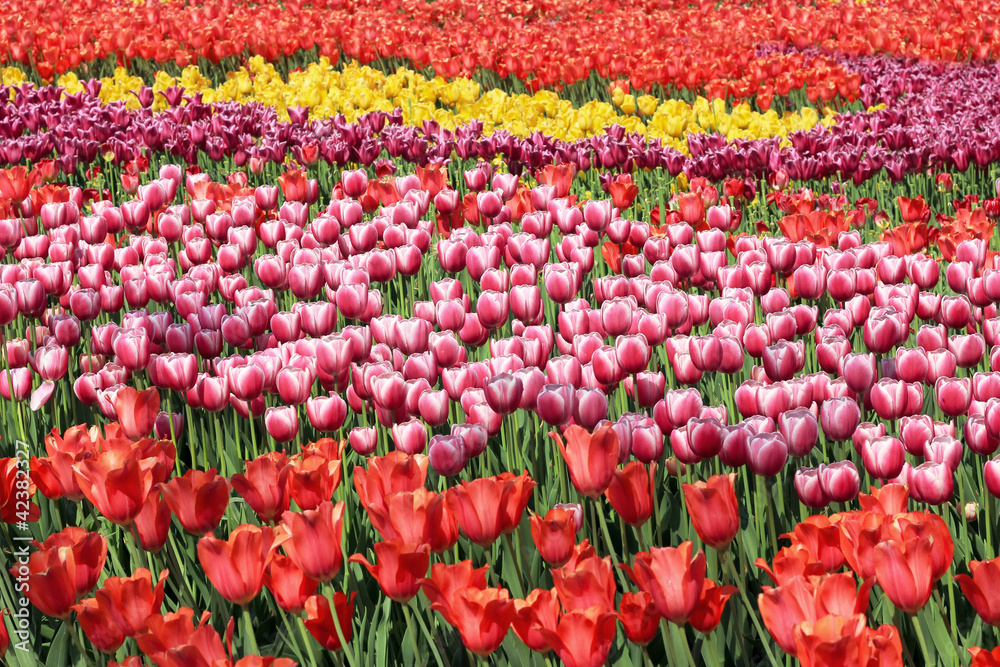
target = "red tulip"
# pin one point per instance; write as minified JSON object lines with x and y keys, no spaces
{"x":482,"y":617}
{"x":314,"y":542}
{"x":389,"y":474}
{"x":590,"y":457}
{"x":117,"y":481}
{"x":289,"y":585}
{"x":583,"y":638}
{"x":714,"y":510}
{"x":99,"y":625}
{"x":198,"y":499}
{"x":400,"y":568}
{"x":236,"y":566}
{"x":265,"y":485}
{"x":982,"y":588}
{"x":672,"y":577}
{"x":639,"y":617}
{"x":630,"y":493}
{"x":905,"y":572}
{"x":132,"y":600}
{"x":841,"y":639}
{"x":323,"y":626}
{"x":708,"y":614}
{"x":137,"y":411}
{"x":554,"y":535}
{"x":539,"y":611}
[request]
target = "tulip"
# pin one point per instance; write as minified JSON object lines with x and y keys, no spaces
{"x":314,"y":542}
{"x":554,"y":536}
{"x":198,"y":499}
{"x":800,"y":429}
{"x":282,"y":423}
{"x":766,"y":454}
{"x":839,"y":418}
{"x":448,"y":454}
{"x":932,"y":483}
{"x":323,"y":626}
{"x":953,"y":395}
{"x":264,"y":486}
{"x":236,"y":566}
{"x":904,"y":572}
{"x":672,"y":578}
{"x":630,"y":493}
{"x":981,"y":589}
{"x":400,"y":568}
{"x":840,"y":481}
{"x":714,"y":510}
{"x":883,"y":457}
{"x":590,"y":457}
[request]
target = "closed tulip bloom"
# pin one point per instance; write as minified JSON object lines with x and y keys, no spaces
{"x":479,"y":505}
{"x":554,"y":535}
{"x":904,"y":572}
{"x":236,"y":566}
{"x":766,"y":454}
{"x":630,"y":493}
{"x":633,"y":353}
{"x":932,"y":483}
{"x":858,"y":371}
{"x":809,"y":488}
{"x":554,"y":403}
{"x":889,"y":398}
{"x":714,"y":510}
{"x":783,"y":360}
{"x":447,"y":454}
{"x":282,"y":423}
{"x":941,"y":363}
{"x":839,"y":418}
{"x":953,"y":395}
{"x":503,"y":393}
{"x":883,"y":457}
{"x":944,"y":449}
{"x":978,"y":435}
{"x":314,"y":542}
{"x":590,"y":457}
{"x":198,"y":499}
{"x":800,"y":429}
{"x":399,"y":569}
{"x":840,"y":481}
{"x":672,"y":578}
{"x":911,"y":364}
{"x":704,"y":436}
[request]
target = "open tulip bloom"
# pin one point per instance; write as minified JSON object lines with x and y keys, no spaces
{"x":325,"y":341}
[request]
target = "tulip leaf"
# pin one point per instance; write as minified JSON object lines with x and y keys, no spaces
{"x":59,"y":650}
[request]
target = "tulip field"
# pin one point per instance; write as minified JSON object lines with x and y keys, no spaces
{"x":441,"y":332}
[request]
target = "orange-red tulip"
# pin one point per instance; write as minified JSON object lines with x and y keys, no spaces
{"x":399,"y":569}
{"x":905,"y":572}
{"x":387,"y":474}
{"x":540,"y":610}
{"x":137,"y":411}
{"x":198,"y":499}
{"x":131,"y":600}
{"x":320,"y":623}
{"x":583,"y":637}
{"x":983,"y":589}
{"x":791,"y":562}
{"x":639,"y":616}
{"x":832,"y":640}
{"x":983,"y":658}
{"x":420,"y":516}
{"x":313,"y":481}
{"x":672,"y":577}
{"x":152,"y":524}
{"x":117,"y":482}
{"x":99,"y":625}
{"x":12,"y":504}
{"x":236,"y":565}
{"x":708,"y":613}
{"x":822,"y":539}
{"x":487,"y":507}
{"x":446,"y":580}
{"x":890,"y":499}
{"x":630,"y":493}
{"x":591,"y":457}
{"x":481,"y":616}
{"x":288,"y":584}
{"x":314,"y":544}
{"x":714,"y":510}
{"x":265,"y":485}
{"x":554,"y":535}
{"x":585,"y":580}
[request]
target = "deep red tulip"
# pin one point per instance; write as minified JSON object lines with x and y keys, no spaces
{"x":982,"y":589}
{"x":630,"y":493}
{"x":639,"y":617}
{"x":265,"y":485}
